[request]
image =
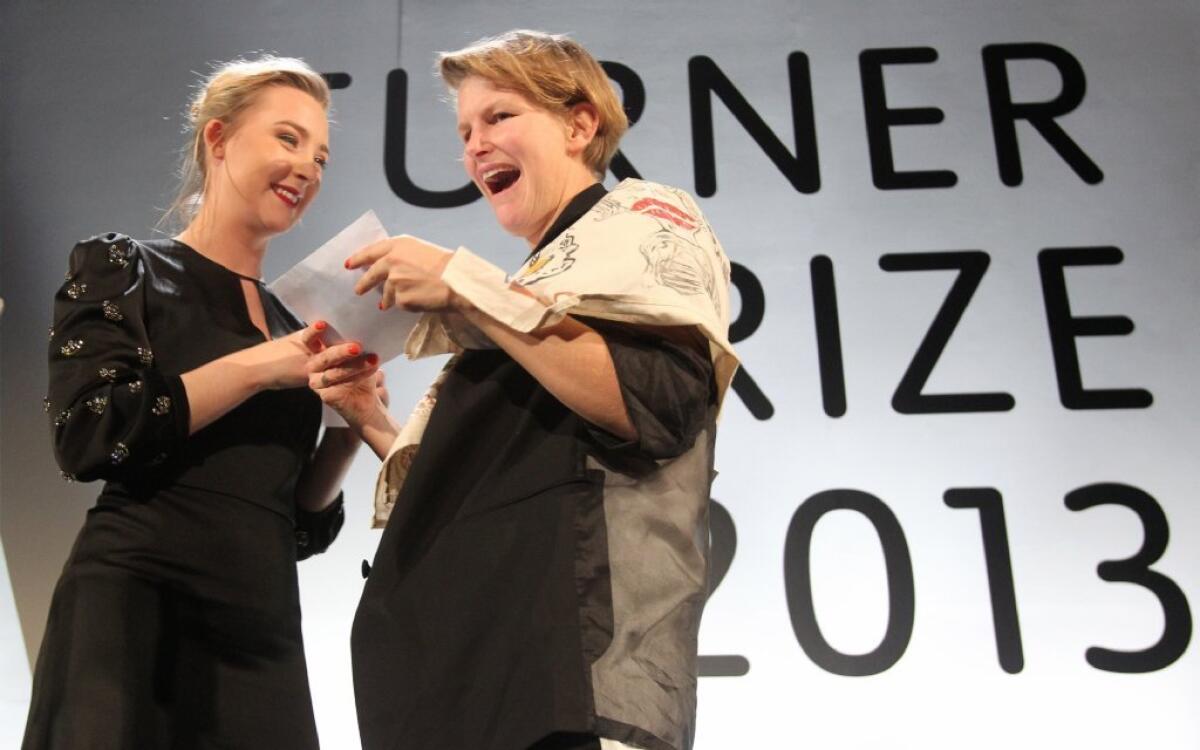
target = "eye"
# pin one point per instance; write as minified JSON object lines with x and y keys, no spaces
{"x":466,"y":135}
{"x":500,"y":116}
{"x":322,"y":161}
{"x":289,"y":138}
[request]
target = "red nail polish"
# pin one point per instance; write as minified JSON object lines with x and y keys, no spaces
{"x":319,"y":325}
{"x":381,"y":304}
{"x":372,"y":359}
{"x":355,"y":350}
{"x":347,"y":263}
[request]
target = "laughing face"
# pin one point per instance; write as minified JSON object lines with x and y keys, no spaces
{"x":526,"y":160}
{"x":267,"y":168}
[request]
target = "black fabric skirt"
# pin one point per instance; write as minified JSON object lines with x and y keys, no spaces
{"x":175,"y":624}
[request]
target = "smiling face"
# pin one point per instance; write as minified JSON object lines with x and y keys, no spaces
{"x":266,"y":168}
{"x":526,"y":160}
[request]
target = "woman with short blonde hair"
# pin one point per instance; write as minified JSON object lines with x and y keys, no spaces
{"x":551,"y":70}
{"x":541,"y":575}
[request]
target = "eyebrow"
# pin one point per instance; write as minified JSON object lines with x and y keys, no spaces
{"x":463,"y":127}
{"x":303,"y":131}
{"x":501,"y":102}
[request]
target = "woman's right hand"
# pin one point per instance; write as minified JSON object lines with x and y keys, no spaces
{"x":349,"y":381}
{"x":283,"y":362}
{"x":218,"y":386}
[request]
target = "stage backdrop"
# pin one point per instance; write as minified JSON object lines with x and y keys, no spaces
{"x":957,"y":493}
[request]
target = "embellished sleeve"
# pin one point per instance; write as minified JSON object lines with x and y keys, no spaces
{"x":667,"y":386}
{"x":112,"y":411}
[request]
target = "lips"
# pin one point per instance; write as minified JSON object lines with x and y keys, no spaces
{"x":499,"y":177}
{"x":288,"y":195}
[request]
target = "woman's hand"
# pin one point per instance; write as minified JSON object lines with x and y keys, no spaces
{"x":218,"y":386}
{"x":283,"y":362}
{"x":349,"y":381}
{"x":408,"y":271}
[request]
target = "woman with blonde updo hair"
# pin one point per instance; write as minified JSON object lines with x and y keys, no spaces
{"x":178,"y":379}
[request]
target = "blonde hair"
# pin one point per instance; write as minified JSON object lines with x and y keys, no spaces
{"x":224,"y":95}
{"x":553,"y":71}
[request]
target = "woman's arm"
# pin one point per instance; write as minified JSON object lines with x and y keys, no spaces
{"x":320,"y":481}
{"x":572,"y":361}
{"x":215,"y":388}
{"x":113,"y":411}
{"x":569,"y":358}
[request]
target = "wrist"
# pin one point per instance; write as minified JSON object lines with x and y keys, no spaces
{"x":256,"y":372}
{"x":459,"y":303}
{"x":241,"y":371}
{"x":380,"y":431}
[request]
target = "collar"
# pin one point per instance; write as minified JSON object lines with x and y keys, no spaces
{"x":579,"y":205}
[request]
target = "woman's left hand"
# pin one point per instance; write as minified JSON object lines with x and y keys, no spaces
{"x":408,"y":271}
{"x":347,"y":380}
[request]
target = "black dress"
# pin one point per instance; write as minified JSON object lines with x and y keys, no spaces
{"x":176,"y":622}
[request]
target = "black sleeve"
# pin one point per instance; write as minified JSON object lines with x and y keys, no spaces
{"x":316,"y":531}
{"x":667,"y":386}
{"x":112,"y":412}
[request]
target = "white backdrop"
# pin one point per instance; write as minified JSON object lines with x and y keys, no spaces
{"x":14,"y":686}
{"x":940,"y":683}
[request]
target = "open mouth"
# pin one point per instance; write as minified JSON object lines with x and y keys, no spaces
{"x":499,"y":180}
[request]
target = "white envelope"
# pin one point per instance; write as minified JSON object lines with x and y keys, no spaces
{"x":320,"y":288}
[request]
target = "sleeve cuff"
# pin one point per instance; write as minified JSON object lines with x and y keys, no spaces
{"x":173,"y":384}
{"x":487,"y":288}
{"x":316,"y":531}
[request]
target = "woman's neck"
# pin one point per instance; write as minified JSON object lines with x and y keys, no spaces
{"x":227,"y":243}
{"x":578,"y":179}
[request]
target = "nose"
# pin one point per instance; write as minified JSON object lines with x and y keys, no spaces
{"x":306,"y":169}
{"x":477,"y":144}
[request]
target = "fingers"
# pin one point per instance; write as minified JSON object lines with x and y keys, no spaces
{"x":388,"y":298}
{"x":310,"y":337}
{"x":341,"y":357}
{"x":375,"y":275}
{"x":381,"y":388}
{"x":406,"y":255}
{"x":347,"y":374}
{"x":370,"y":253}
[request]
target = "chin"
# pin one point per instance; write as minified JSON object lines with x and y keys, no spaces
{"x":278,"y":224}
{"x":272,"y":228}
{"x":508,"y":223}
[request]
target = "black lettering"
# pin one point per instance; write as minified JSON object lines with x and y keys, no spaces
{"x":723,"y":534}
{"x":753,"y":303}
{"x":797,"y":577}
{"x":996,"y":555}
{"x":750,"y":316}
{"x":706,"y":79}
{"x":829,"y":337}
{"x":633,"y":97}
{"x":395,"y":165}
{"x":337,"y":81}
{"x":1064,"y":329}
{"x":908,"y":399}
{"x":880,"y":118}
{"x":1177,"y":615}
{"x":1041,"y":115}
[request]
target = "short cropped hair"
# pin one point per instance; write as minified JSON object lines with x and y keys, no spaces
{"x":551,"y":70}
